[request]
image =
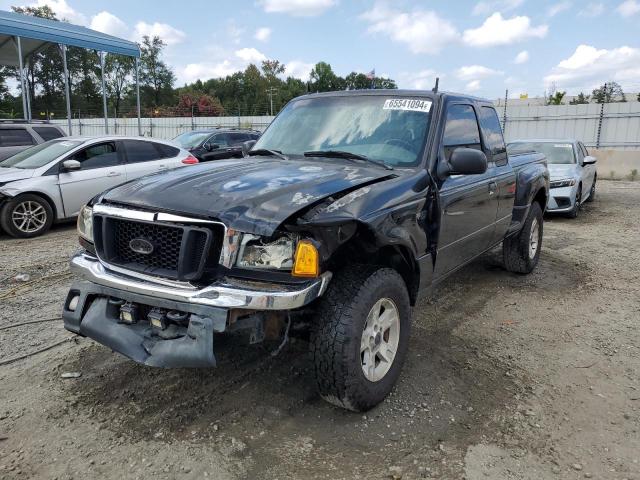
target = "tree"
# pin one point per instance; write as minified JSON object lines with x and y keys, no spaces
{"x":271,"y":69}
{"x":581,"y":99}
{"x":608,"y":93}
{"x":324,"y":80}
{"x":118,"y":71}
{"x":156,"y":77}
{"x":556,"y":98}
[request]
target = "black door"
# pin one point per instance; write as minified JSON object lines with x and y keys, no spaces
{"x":468,"y":202}
{"x":223,"y":145}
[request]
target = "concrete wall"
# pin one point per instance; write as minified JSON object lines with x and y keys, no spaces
{"x":617,"y":164}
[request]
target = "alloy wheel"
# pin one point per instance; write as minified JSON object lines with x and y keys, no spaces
{"x":380,"y":338}
{"x":29,"y":216}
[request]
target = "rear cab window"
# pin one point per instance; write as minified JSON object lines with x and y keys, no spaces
{"x":15,"y":137}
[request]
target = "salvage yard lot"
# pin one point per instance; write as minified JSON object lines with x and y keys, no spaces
{"x":508,"y":376}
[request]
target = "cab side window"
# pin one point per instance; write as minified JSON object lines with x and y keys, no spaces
{"x":101,"y":155}
{"x":461,"y":129}
{"x":221,"y":139}
{"x":493,"y":137}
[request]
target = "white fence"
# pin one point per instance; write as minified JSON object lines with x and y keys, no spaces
{"x":611,"y":126}
{"x":165,"y":128}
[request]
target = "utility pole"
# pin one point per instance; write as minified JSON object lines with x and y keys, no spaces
{"x":271,"y":91}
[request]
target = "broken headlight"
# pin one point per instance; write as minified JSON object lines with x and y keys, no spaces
{"x":85,"y":223}
{"x":259,"y":252}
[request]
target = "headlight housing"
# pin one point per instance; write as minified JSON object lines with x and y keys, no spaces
{"x":85,"y":223}
{"x":565,"y":182}
{"x":256,"y":252}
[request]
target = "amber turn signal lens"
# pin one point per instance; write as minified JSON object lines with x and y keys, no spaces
{"x":307,"y":262}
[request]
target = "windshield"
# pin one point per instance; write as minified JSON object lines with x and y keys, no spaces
{"x":39,"y":155}
{"x":383,"y":128}
{"x":191,"y":139}
{"x":556,"y":153}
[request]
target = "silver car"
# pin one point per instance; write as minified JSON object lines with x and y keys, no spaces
{"x":572,"y":171}
{"x":52,"y":181}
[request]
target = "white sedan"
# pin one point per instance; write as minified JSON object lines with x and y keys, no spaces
{"x":572,"y":171}
{"x":52,"y":181}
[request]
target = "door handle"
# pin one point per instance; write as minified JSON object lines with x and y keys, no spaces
{"x":493,"y":188}
{"x":113,"y":174}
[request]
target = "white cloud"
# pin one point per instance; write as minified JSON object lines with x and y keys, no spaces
{"x":593,"y":9}
{"x":497,"y":30}
{"x":250,"y":55}
{"x":298,"y":69}
{"x":421,"y":80}
{"x":297,"y":8}
{"x":423,"y":31}
{"x":262,"y":34}
{"x":589,"y":67}
{"x":628,"y":8}
{"x":559,"y":7}
{"x":473,"y":86}
{"x":195,"y":71}
{"x":108,"y":23}
{"x":486,"y":7}
{"x":167,"y":33}
{"x":476,"y":72}
{"x":63,"y":11}
{"x":522,"y":57}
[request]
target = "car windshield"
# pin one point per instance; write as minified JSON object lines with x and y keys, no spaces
{"x":384,"y":128}
{"x":556,"y":153}
{"x":191,"y":139}
{"x":39,"y":155}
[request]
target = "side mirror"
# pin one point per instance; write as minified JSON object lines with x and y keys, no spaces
{"x":207,"y":146}
{"x":467,"y":161}
{"x":71,"y":165}
{"x":246,"y":146}
{"x":589,"y":160}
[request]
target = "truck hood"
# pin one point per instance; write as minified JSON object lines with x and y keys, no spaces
{"x":12,"y":174}
{"x":251,"y":195}
{"x":559,"y":171}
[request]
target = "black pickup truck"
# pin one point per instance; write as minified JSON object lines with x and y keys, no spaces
{"x":350,"y":207}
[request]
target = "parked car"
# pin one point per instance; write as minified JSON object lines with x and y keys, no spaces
{"x":354,"y":206}
{"x":216,"y":143}
{"x":51,"y":181}
{"x":572,"y":169}
{"x":16,"y":135}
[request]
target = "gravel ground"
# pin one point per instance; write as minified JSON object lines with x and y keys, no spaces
{"x":508,"y":377}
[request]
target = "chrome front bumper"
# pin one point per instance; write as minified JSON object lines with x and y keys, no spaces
{"x":225,"y":293}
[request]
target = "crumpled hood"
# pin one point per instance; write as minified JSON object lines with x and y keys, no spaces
{"x":558,"y":171}
{"x":13,"y":174}
{"x":252,"y":195}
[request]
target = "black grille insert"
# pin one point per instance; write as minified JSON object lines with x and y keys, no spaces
{"x":179,"y":252}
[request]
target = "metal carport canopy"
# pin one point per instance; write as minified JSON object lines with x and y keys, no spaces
{"x":36,"y":32}
{"x":23,"y":35}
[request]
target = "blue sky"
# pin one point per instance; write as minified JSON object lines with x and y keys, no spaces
{"x":480,"y":47}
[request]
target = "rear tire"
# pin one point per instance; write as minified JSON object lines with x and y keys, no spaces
{"x":360,"y":336}
{"x":26,"y":216}
{"x":592,"y":192}
{"x":521,"y":252}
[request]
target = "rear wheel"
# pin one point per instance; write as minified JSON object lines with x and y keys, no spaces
{"x":361,"y":336}
{"x":592,"y":192}
{"x":521,"y":252}
{"x":26,"y":216}
{"x":577,"y":203}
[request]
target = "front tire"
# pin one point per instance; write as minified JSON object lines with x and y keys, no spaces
{"x":360,"y":336}
{"x":577,"y":203}
{"x":26,"y":216}
{"x":521,"y":252}
{"x":592,"y":193}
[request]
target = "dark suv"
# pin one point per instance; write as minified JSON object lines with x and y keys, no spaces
{"x":16,"y":135}
{"x":216,"y":143}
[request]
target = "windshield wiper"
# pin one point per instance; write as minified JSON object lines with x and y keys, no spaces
{"x":347,"y":155}
{"x":266,"y":151}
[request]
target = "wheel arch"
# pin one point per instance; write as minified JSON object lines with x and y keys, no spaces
{"x":45,"y":197}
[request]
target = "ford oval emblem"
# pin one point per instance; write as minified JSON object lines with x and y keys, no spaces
{"x":141,"y":245}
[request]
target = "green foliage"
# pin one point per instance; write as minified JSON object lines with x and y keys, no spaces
{"x":608,"y":93}
{"x":556,"y":98}
{"x":580,"y":99}
{"x":633,"y":175}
